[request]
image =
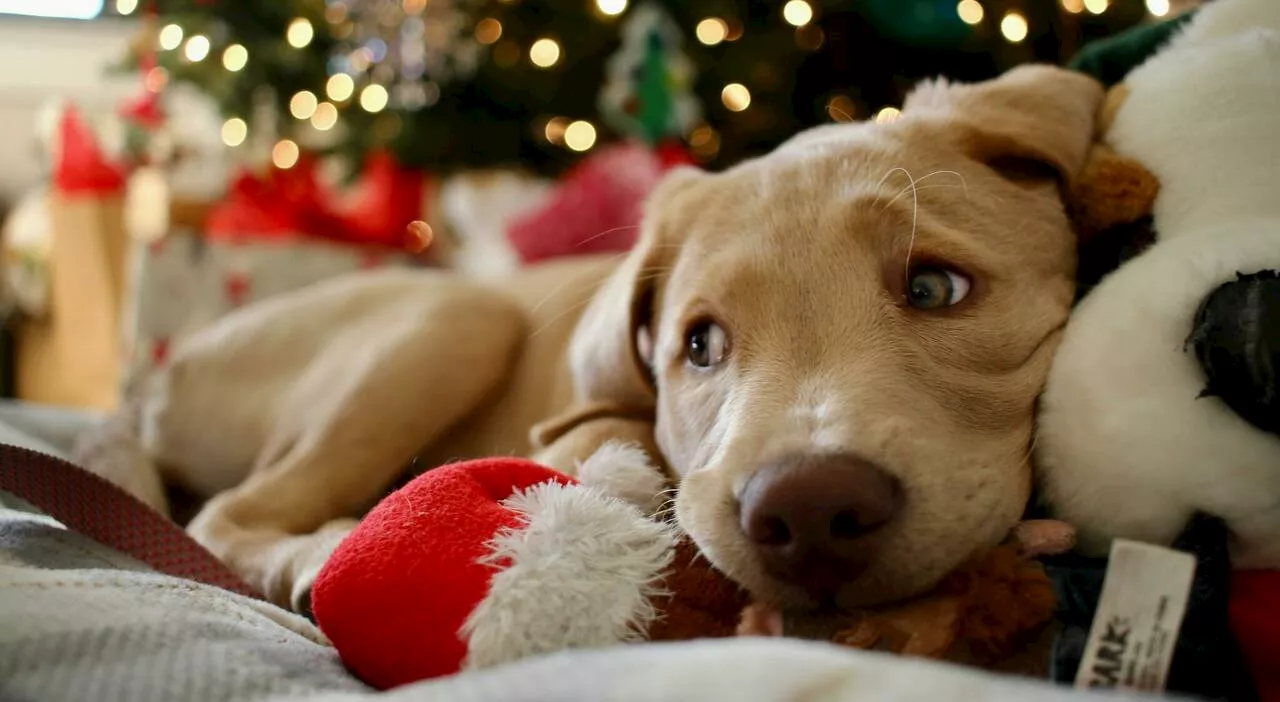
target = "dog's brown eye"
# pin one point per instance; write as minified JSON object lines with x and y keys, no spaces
{"x":705,"y":344}
{"x":935,"y":288}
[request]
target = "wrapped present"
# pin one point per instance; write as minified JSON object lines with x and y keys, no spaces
{"x":70,"y":356}
{"x":273,"y":232}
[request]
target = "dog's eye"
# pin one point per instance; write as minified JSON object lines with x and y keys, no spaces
{"x":935,"y":288}
{"x":705,"y":344}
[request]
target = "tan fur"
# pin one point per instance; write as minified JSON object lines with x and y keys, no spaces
{"x":297,"y":413}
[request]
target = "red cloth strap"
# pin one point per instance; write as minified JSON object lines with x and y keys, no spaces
{"x":100,"y":510}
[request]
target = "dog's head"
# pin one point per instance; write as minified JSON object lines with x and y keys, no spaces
{"x":843,"y":341}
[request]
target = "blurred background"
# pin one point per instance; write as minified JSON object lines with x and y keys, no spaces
{"x":166,"y":161}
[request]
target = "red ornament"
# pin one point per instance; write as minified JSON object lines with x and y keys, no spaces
{"x":81,"y":166}
{"x":159,"y":351}
{"x":1255,"y":619}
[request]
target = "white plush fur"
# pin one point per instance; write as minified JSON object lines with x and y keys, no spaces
{"x":1125,"y":448}
{"x":625,"y":471}
{"x":581,"y":571}
{"x":1203,"y":118}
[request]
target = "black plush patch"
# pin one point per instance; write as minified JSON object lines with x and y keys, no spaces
{"x":1236,"y":339}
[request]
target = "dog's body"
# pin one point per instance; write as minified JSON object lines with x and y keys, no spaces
{"x":855,"y":327}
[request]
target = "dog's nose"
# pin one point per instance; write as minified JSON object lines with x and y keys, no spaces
{"x":808,"y":516}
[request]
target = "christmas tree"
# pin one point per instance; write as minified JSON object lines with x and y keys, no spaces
{"x":446,"y":84}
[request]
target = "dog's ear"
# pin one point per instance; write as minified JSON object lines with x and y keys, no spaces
{"x":1031,"y":122}
{"x":611,"y":350}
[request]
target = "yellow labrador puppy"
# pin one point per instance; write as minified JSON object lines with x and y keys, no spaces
{"x":835,"y":349}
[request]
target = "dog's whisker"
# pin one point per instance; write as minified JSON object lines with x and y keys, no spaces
{"x":576,"y":306}
{"x":606,"y":232}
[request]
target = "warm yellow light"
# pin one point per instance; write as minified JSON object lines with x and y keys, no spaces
{"x":325,"y":117}
{"x":736,"y":97}
{"x":234,"y":131}
{"x":1096,"y":7}
{"x":488,"y":30}
{"x":340,"y":87}
{"x":840,"y":108}
{"x":712,"y":31}
{"x":797,"y":13}
{"x":300,"y":33}
{"x":235,"y":57}
{"x":170,"y":37}
{"x":303,"y":104}
{"x":1014,"y":27}
{"x":156,"y":79}
{"x":611,"y":8}
{"x":1159,"y":8}
{"x":197,"y":48}
{"x":545,"y":52}
{"x":1075,"y":7}
{"x":970,"y":11}
{"x":414,"y":7}
{"x":555,"y":129}
{"x":705,"y":142}
{"x":285,"y":154}
{"x":580,"y":135}
{"x":126,"y":7}
{"x":887,"y":115}
{"x":373,"y":98}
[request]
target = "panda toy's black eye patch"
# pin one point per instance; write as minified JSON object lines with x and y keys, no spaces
{"x":1236,"y":339}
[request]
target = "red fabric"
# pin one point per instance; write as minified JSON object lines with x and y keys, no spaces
{"x":1255,"y":618}
{"x":596,"y":207}
{"x":293,"y":203}
{"x":396,"y":592}
{"x":80,"y":166}
{"x":88,"y":504}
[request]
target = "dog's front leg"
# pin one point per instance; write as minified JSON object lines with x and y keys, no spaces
{"x":347,"y":429}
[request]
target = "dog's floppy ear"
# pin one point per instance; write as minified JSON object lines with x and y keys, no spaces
{"x":609,"y":355}
{"x":1032,"y":121}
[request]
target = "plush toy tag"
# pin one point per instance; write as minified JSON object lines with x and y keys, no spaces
{"x":1135,"y":628}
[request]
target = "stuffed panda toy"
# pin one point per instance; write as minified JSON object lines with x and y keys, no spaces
{"x":1160,"y":420}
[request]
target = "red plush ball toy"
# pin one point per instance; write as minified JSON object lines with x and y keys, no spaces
{"x":398,"y":589}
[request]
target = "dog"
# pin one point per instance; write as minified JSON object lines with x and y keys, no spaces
{"x":834,"y":349}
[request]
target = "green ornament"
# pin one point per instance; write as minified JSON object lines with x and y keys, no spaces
{"x":648,"y":87}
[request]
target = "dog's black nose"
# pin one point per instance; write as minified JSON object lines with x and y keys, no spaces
{"x":809,"y":516}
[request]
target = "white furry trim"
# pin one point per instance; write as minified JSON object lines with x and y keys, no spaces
{"x":623,"y":470}
{"x":580,"y":572}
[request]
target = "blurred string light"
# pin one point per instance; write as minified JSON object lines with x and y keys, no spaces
{"x":1075,"y":7}
{"x":712,"y":31}
{"x":555,"y":129}
{"x":1158,"y":8}
{"x":374,"y":98}
{"x":303,"y":105}
{"x":810,"y":37}
{"x":340,"y":87}
{"x":797,"y":13}
{"x":840,"y":108}
{"x":704,"y":141}
{"x":1014,"y":27}
{"x":545,"y":52}
{"x":285,"y":154}
{"x":1096,"y":7}
{"x":170,"y":37}
{"x":235,"y":57}
{"x":488,"y":31}
{"x":234,"y":131}
{"x":887,"y":115}
{"x":126,"y":7}
{"x":611,"y":8}
{"x":580,"y":135}
{"x":970,"y":11}
{"x":736,"y":97}
{"x":325,"y":117}
{"x":300,"y":33}
{"x":197,"y":48}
